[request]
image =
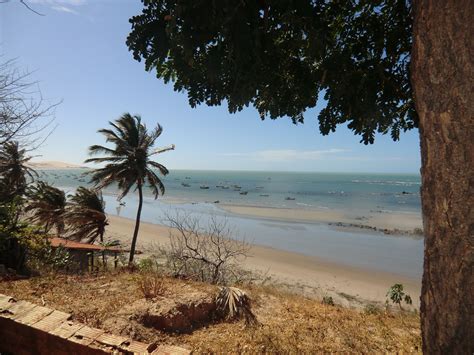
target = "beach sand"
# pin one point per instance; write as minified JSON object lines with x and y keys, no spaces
{"x":53,"y":165}
{"x":308,"y":275}
{"x":378,"y":219}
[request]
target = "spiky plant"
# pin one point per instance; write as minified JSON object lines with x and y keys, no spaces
{"x":234,"y":303}
{"x":129,"y":162}
{"x":14,"y":171}
{"x":85,"y":215}
{"x":47,"y":206}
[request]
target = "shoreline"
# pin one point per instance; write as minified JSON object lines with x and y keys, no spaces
{"x":393,"y":223}
{"x":308,"y":275}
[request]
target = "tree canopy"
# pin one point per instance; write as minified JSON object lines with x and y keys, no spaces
{"x":282,"y":56}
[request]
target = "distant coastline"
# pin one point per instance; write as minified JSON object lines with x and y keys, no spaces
{"x":54,"y":165}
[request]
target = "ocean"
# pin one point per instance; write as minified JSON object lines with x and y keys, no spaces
{"x":364,"y":192}
{"x":202,"y":192}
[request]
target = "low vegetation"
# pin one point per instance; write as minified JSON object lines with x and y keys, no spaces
{"x":287,"y":323}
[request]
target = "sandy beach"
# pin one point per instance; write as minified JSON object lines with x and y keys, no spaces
{"x":377,"y":219}
{"x":311,"y":276}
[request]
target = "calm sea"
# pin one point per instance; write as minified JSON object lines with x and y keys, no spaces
{"x":363,"y":192}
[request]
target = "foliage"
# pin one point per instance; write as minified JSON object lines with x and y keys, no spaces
{"x":397,"y":295}
{"x":47,"y":206}
{"x":24,"y":247}
{"x":42,"y":257}
{"x":234,"y":303}
{"x":206,"y":253}
{"x":281,"y":57}
{"x":85,"y":215}
{"x":14,"y":171}
{"x":129,"y":162}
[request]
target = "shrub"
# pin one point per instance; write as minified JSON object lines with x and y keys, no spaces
{"x":233,"y":303}
{"x":397,"y":295}
{"x":151,"y":285}
{"x":207,"y":254}
{"x":371,"y":309}
{"x":328,"y":300}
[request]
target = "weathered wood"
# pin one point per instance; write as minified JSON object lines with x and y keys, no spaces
{"x":52,"y":321}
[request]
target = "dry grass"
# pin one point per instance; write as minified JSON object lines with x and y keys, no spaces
{"x":151,"y":285}
{"x":288,"y":323}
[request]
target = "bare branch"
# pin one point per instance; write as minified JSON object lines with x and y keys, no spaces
{"x":24,"y":114}
{"x":207,"y":253}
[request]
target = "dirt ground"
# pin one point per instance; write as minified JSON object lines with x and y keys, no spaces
{"x":287,"y":323}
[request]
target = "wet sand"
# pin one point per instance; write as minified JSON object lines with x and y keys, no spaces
{"x":309,"y":275}
{"x":378,"y":219}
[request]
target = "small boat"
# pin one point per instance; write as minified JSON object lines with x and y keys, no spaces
{"x":204,"y":187}
{"x":185,"y":185}
{"x":290,"y":198}
{"x":225,"y":187}
{"x":244,"y":193}
{"x":264,"y":195}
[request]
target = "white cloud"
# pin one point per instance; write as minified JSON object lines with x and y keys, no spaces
{"x":281,"y":155}
{"x":59,"y":2}
{"x":61,"y":5}
{"x":65,"y":9}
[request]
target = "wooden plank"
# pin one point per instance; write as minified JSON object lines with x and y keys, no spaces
{"x":52,"y":321}
{"x":18,"y":309}
{"x":66,"y":329}
{"x":86,"y":335}
{"x":110,"y":339}
{"x":35,"y":315}
{"x":137,"y":347}
{"x":6,"y":302}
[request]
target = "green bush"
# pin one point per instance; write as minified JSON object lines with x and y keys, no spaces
{"x":397,"y":295}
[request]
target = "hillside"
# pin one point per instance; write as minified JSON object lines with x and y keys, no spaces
{"x":286,"y":323}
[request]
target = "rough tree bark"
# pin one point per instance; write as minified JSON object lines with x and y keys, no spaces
{"x":443,"y":81}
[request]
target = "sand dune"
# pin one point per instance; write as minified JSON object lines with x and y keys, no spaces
{"x":51,"y":165}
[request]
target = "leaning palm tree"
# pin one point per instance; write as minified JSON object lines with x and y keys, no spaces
{"x":85,"y":215}
{"x":129,"y":162}
{"x":47,"y":206}
{"x":14,"y":171}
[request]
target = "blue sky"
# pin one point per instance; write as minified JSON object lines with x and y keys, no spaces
{"x":78,"y":54}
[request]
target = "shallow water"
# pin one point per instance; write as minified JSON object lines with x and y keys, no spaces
{"x":373,"y":251}
{"x":349,"y":192}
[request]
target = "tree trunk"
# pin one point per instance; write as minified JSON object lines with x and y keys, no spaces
{"x":443,"y":82}
{"x":137,"y":225}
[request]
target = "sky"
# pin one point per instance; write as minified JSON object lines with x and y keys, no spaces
{"x":77,"y":53}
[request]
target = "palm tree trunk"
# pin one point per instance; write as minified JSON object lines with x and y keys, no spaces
{"x":137,"y":224}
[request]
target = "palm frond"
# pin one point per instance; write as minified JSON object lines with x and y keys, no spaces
{"x":233,"y":303}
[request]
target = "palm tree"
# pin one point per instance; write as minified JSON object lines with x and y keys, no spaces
{"x":85,"y":215}
{"x":14,"y":171}
{"x":129,"y":162}
{"x":47,"y":206}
